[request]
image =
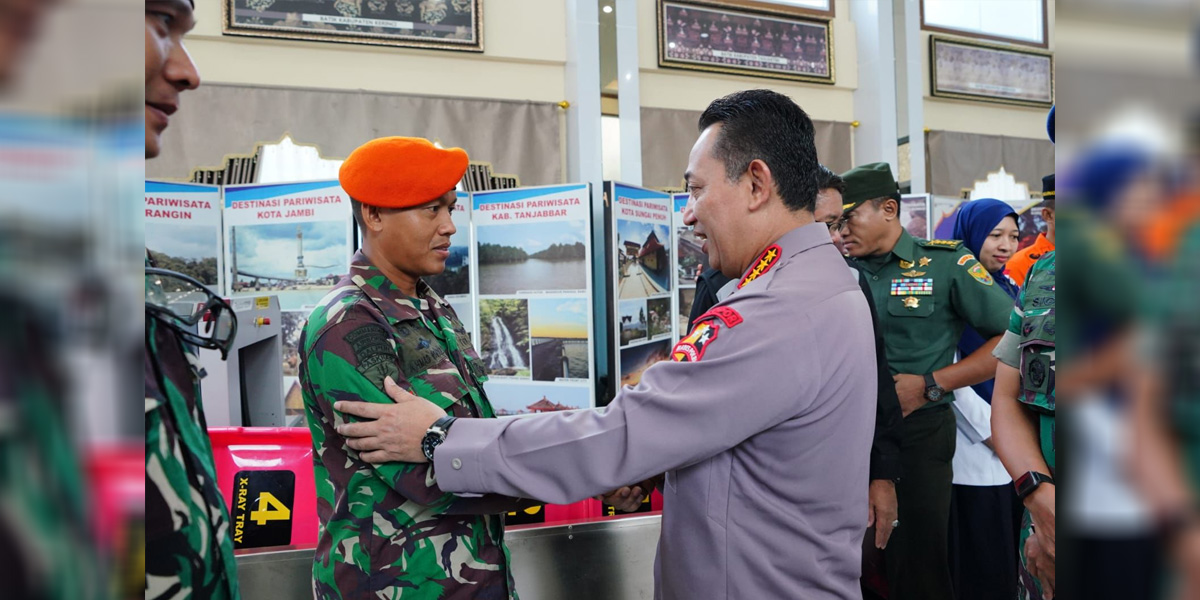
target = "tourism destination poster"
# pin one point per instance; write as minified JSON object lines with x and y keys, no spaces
{"x":690,"y":262}
{"x":640,"y":223}
{"x":454,"y":284}
{"x":533,"y":293}
{"x":183,"y":230}
{"x":294,"y":241}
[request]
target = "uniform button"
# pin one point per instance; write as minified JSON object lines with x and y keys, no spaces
{"x":456,"y":463}
{"x":875,"y":277}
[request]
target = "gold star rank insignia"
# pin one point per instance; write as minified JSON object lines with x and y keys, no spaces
{"x":925,"y":260}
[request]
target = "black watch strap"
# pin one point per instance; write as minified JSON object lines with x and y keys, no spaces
{"x":1027,"y":483}
{"x":930,"y":381}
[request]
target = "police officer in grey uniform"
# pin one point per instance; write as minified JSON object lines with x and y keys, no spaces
{"x":763,"y":418}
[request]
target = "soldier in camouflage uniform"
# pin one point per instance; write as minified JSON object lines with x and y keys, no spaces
{"x":1023,"y":420}
{"x":189,"y":552}
{"x":387,"y":530}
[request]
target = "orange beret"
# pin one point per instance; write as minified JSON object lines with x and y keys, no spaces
{"x":399,"y":172}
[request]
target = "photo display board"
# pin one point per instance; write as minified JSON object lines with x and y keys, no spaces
{"x":183,"y":230}
{"x":643,"y":279}
{"x":292,"y":240}
{"x":533,"y":292}
{"x":690,"y":262}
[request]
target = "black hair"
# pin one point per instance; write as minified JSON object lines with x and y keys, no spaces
{"x":356,"y":211}
{"x":827,"y":179}
{"x":768,"y":126}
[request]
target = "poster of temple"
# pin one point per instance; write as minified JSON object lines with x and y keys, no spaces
{"x":644,"y":276}
{"x":530,"y":272}
{"x":183,"y":230}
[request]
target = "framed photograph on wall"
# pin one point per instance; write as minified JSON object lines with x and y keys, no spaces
{"x":987,"y":73}
{"x":433,"y":24}
{"x":707,"y":37}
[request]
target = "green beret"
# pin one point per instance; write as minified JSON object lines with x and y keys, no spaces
{"x":867,"y":183}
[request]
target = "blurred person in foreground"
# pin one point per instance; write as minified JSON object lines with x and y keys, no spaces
{"x":1166,"y":405}
{"x":46,"y":547}
{"x":189,"y":549}
{"x":983,"y":518}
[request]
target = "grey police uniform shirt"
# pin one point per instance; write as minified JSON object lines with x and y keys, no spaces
{"x":765,"y":440}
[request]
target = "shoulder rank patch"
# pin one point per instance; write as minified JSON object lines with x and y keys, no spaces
{"x":980,"y":274}
{"x":942,"y":243}
{"x":762,"y":264}
{"x":692,"y":347}
{"x":964,"y":259}
{"x":728,"y":316}
{"x":374,"y":354}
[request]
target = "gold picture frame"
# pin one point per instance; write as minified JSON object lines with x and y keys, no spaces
{"x":428,"y":24}
{"x":740,"y":41}
{"x":968,"y":70}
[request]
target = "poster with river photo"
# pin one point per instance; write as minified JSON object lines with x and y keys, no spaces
{"x":644,"y":275}
{"x":183,"y":230}
{"x":292,"y":240}
{"x":531,"y":272}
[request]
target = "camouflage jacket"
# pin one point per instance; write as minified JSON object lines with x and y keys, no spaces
{"x":388,"y":530}
{"x":1028,"y":346}
{"x":189,"y":552}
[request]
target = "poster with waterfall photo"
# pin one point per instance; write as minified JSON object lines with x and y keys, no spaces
{"x":291,"y":240}
{"x":183,"y":230}
{"x":644,"y":275}
{"x":531,"y":253}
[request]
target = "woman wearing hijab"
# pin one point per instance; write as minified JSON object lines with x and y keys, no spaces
{"x":984,"y":515}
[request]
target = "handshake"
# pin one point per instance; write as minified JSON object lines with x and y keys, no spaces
{"x":630,"y":497}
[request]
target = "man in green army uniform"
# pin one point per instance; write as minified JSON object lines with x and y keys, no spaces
{"x":1023,"y":422}
{"x":926,"y":291}
{"x":387,"y":530}
{"x":189,"y":552}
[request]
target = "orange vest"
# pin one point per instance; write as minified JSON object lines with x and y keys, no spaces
{"x":1018,"y":265}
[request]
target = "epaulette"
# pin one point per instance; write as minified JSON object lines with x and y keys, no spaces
{"x":946,"y":244}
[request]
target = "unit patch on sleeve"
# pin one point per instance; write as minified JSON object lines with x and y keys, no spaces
{"x":980,"y":274}
{"x":692,"y":347}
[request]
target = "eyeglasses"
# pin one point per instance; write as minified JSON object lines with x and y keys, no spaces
{"x":836,"y":224}
{"x":181,"y":303}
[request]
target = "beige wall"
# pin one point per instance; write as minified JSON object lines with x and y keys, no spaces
{"x":523,"y":59}
{"x":693,"y":90}
{"x":943,"y":114}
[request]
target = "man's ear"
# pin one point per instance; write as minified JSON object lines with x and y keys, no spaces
{"x":372,"y":218}
{"x":762,"y":184}
{"x":890,"y":208}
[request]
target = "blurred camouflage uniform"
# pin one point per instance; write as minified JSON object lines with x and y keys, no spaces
{"x":189,"y":552}
{"x":44,"y":521}
{"x":1030,"y":347}
{"x":388,"y":530}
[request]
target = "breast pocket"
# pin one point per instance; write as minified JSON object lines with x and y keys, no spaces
{"x":910,"y":306}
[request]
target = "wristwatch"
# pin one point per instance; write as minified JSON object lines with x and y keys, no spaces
{"x":1029,"y":482}
{"x":435,"y":435}
{"x":933,"y":391}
